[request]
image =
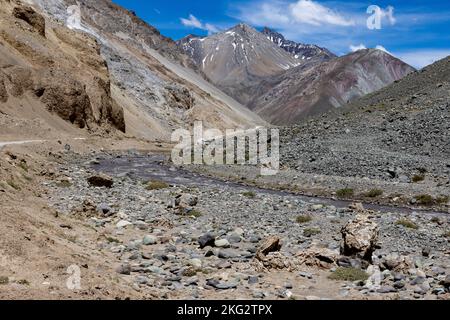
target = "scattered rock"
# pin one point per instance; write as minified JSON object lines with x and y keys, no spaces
{"x":123,"y":224}
{"x":207,"y":239}
{"x":222,"y":285}
{"x":271,"y":244}
{"x":104,"y":210}
{"x":196,"y":263}
{"x":101,"y":180}
{"x":360,"y":237}
{"x":222,"y":243}
{"x":124,"y":269}
{"x":150,"y":240}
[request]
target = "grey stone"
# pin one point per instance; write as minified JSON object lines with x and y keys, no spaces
{"x":150,"y":240}
{"x":222,"y":285}
{"x":124,"y":269}
{"x":253,"y":279}
{"x":228,"y":254}
{"x":205,"y":240}
{"x":386,"y":289}
{"x":222,"y":243}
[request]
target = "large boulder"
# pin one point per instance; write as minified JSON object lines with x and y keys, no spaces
{"x":360,"y":237}
{"x":30,"y":16}
{"x":100,"y":180}
{"x":271,"y":244}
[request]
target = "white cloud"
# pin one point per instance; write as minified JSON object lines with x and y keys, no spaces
{"x":211,"y":28}
{"x":310,"y":12}
{"x":422,"y":58}
{"x":357,"y":47}
{"x":300,"y":14}
{"x":383,"y":49}
{"x":193,"y":22}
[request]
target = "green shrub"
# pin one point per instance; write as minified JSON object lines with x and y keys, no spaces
{"x":425,"y":199}
{"x":442,"y":199}
{"x":156,"y":185}
{"x":407,"y":224}
{"x":309,"y":232}
{"x":190,"y":272}
{"x":195,"y":213}
{"x":345,"y":193}
{"x":303,"y":219}
{"x":249,"y":194}
{"x":374,"y":193}
{"x":418,"y":178}
{"x":4,"y":280}
{"x":349,"y":274}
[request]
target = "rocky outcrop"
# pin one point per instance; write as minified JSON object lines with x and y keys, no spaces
{"x":66,"y":97}
{"x":3,"y":92}
{"x":271,"y":244}
{"x":360,"y":237}
{"x":179,"y":97}
{"x":300,"y":51}
{"x":312,"y":89}
{"x":65,"y":71}
{"x":20,"y":79}
{"x":237,"y":60}
{"x":33,"y":18}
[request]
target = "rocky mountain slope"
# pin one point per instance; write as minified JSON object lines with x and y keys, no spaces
{"x":155,"y":84}
{"x":283,"y":81}
{"x":313,"y":89}
{"x":299,"y":50}
{"x":238,"y":59}
{"x":48,"y":74}
{"x":399,"y":134}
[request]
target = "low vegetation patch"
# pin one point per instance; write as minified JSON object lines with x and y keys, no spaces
{"x":23,"y":165}
{"x":407,"y":224}
{"x":23,"y":282}
{"x":418,"y":178}
{"x":425,"y":200}
{"x":13,"y":185}
{"x":442,"y":199}
{"x":303,"y":219}
{"x":249,"y":194}
{"x":374,"y":193}
{"x":195,"y":213}
{"x":113,"y":240}
{"x":309,"y":232}
{"x":191,"y":272}
{"x":4,"y":280}
{"x":345,"y":193}
{"x":64,"y":184}
{"x":349,"y":274}
{"x":156,"y":185}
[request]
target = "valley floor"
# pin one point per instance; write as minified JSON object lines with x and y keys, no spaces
{"x":143,"y":241}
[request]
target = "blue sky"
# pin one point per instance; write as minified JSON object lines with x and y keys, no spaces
{"x":417,"y":31}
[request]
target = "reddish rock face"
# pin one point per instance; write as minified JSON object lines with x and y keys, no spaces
{"x":310,"y":90}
